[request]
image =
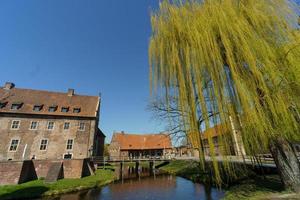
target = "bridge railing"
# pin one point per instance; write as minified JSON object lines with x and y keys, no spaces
{"x":127,"y":158}
{"x":260,"y":159}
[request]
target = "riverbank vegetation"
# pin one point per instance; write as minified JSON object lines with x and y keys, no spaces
{"x":250,"y":186}
{"x":38,"y":188}
{"x":260,"y":188}
{"x":192,"y":171}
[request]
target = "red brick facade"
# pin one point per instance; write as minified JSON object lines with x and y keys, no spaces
{"x":47,"y":125}
{"x":15,"y":172}
{"x":127,"y":146}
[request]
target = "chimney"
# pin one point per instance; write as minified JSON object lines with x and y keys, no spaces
{"x":9,"y":85}
{"x":70,"y":92}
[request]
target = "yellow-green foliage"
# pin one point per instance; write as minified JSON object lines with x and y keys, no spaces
{"x":248,"y":51}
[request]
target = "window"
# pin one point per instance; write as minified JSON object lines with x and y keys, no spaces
{"x":3,"y":104}
{"x":50,"y":125}
{"x":205,"y":142}
{"x":215,"y":139}
{"x":70,"y":144}
{"x":37,"y":107}
{"x":16,"y":106}
{"x":76,"y":110}
{"x":15,"y":124}
{"x":52,"y":108}
{"x":68,"y":156}
{"x":81,"y":126}
{"x":44,"y":144}
{"x":66,"y":125}
{"x":14,"y":145}
{"x":65,"y":109}
{"x":33,"y":125}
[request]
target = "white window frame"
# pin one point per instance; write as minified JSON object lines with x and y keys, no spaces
{"x":15,"y":104}
{"x":52,"y":126}
{"x":78,"y":109}
{"x":44,"y":144}
{"x":83,"y":126}
{"x":12,"y":123}
{"x":40,"y":107}
{"x":10,"y":144}
{"x":68,"y":127}
{"x":37,"y":125}
{"x":52,"y":107}
{"x":65,"y":108}
{"x":68,"y":144}
{"x":67,"y":154}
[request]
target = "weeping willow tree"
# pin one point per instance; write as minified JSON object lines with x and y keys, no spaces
{"x":242,"y":55}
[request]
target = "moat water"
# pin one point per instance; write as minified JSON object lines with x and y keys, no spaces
{"x":146,"y":185}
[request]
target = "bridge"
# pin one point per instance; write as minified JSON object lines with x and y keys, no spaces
{"x":264,"y":161}
{"x":261,"y":162}
{"x":103,"y":161}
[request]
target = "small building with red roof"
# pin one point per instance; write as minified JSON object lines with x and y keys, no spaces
{"x":125,"y":146}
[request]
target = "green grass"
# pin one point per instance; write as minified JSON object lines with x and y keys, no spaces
{"x":181,"y":167}
{"x":187,"y":169}
{"x":38,"y":188}
{"x":259,"y":188}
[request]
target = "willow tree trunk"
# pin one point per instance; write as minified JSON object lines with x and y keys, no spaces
{"x":287,"y":163}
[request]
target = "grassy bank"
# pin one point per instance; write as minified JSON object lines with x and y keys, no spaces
{"x":186,"y":169}
{"x":38,"y":188}
{"x":260,"y":188}
{"x":191,"y":170}
{"x":255,"y":188}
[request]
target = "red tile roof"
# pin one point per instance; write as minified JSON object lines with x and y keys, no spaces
{"x":217,"y":130}
{"x":29,"y":98}
{"x":142,"y":142}
{"x":214,"y":131}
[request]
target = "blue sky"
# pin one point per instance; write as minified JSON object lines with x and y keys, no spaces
{"x":92,"y":46}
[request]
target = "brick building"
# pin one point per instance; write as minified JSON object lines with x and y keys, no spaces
{"x":42,"y":125}
{"x":215,"y":133}
{"x":127,"y":146}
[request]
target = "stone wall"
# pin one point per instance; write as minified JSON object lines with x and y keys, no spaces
{"x":99,"y":144}
{"x":28,"y":172}
{"x":15,"y":172}
{"x":42,"y":167}
{"x":30,"y":140}
{"x":77,"y":168}
{"x":114,"y":149}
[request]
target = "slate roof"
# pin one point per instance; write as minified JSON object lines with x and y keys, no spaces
{"x":28,"y":98}
{"x":142,"y":141}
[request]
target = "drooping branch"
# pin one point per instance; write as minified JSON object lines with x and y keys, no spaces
{"x":230,"y":66}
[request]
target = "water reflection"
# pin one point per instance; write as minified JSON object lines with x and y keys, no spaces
{"x":130,"y":172}
{"x":142,"y":183}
